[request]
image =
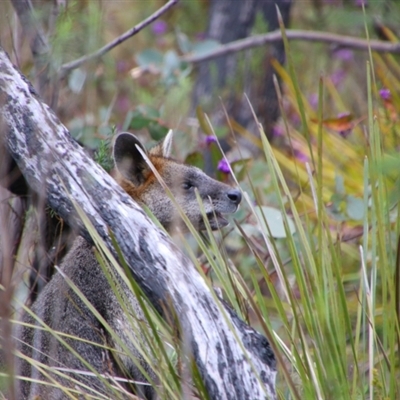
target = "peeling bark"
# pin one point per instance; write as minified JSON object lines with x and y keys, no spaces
{"x":53,"y":163}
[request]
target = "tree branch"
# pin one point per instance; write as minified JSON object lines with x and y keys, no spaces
{"x":234,"y":361}
{"x":100,"y":52}
{"x":310,"y":36}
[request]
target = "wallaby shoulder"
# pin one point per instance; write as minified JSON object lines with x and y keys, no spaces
{"x":62,"y":309}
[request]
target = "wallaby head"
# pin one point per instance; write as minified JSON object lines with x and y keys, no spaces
{"x":138,"y":180}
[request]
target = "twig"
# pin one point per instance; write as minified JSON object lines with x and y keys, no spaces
{"x":311,"y":36}
{"x":100,"y":52}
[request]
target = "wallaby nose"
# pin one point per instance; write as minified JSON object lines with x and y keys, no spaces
{"x":235,"y":196}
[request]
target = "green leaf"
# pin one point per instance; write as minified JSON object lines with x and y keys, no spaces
{"x":150,"y":58}
{"x":171,"y":68}
{"x":204,"y":47}
{"x":141,"y":117}
{"x":139,"y":122}
{"x":76,"y":80}
{"x":339,"y":184}
{"x":184,"y":43}
{"x":390,"y":165}
{"x":201,"y":116}
{"x":195,"y":159}
{"x":275,"y":222}
{"x":171,"y":61}
{"x":355,"y":207}
{"x":127,"y":121}
{"x":150,"y":112}
{"x":157,"y":131}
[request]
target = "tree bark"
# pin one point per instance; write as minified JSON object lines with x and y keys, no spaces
{"x":266,"y":100}
{"x":219,"y":77}
{"x":53,"y":163}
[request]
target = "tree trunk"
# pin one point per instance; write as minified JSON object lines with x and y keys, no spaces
{"x":228,"y":23}
{"x":53,"y":163}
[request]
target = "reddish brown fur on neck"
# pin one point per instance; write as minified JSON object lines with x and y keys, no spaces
{"x":136,"y":192}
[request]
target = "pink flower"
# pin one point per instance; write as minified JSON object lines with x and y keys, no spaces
{"x":344,"y":54}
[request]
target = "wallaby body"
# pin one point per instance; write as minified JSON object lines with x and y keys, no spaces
{"x":64,"y":311}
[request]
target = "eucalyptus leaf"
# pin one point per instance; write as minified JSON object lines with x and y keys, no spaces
{"x":150,"y":57}
{"x":205,"y":126}
{"x":149,"y":112}
{"x":196,"y":159}
{"x":171,"y":67}
{"x":184,"y":43}
{"x":274,"y":219}
{"x":171,"y":60}
{"x":139,"y":122}
{"x":76,"y":80}
{"x":355,"y":207}
{"x":204,"y":47}
{"x":157,"y":131}
{"x":339,"y":184}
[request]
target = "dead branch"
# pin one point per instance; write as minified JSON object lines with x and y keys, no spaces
{"x":310,"y":36}
{"x":105,"y":49}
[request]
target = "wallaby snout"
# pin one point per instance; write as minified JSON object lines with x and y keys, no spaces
{"x":234,"y":196}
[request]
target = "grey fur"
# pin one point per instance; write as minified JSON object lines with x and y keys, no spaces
{"x":63,"y":310}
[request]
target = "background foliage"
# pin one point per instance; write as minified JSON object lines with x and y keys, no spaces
{"x":312,"y":257}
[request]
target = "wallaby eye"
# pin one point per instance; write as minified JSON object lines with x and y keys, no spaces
{"x":187,"y":185}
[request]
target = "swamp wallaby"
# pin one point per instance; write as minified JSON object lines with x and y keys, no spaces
{"x":82,"y":339}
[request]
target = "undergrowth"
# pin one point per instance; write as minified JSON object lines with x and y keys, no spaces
{"x":311,"y":260}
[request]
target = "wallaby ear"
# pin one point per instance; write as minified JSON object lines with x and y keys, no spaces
{"x":128,"y":160}
{"x":163,"y":149}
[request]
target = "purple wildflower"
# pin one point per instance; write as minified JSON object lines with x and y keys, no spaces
{"x":344,"y":54}
{"x":210,"y":139}
{"x":302,"y":157}
{"x":295,"y":118}
{"x":159,"y":27}
{"x":122,"y":67}
{"x":123,"y":103}
{"x":223,"y":166}
{"x":277,"y":131}
{"x":385,"y":94}
{"x":360,"y":3}
{"x":338,"y":76}
{"x":345,"y":133}
{"x":313,"y":100}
